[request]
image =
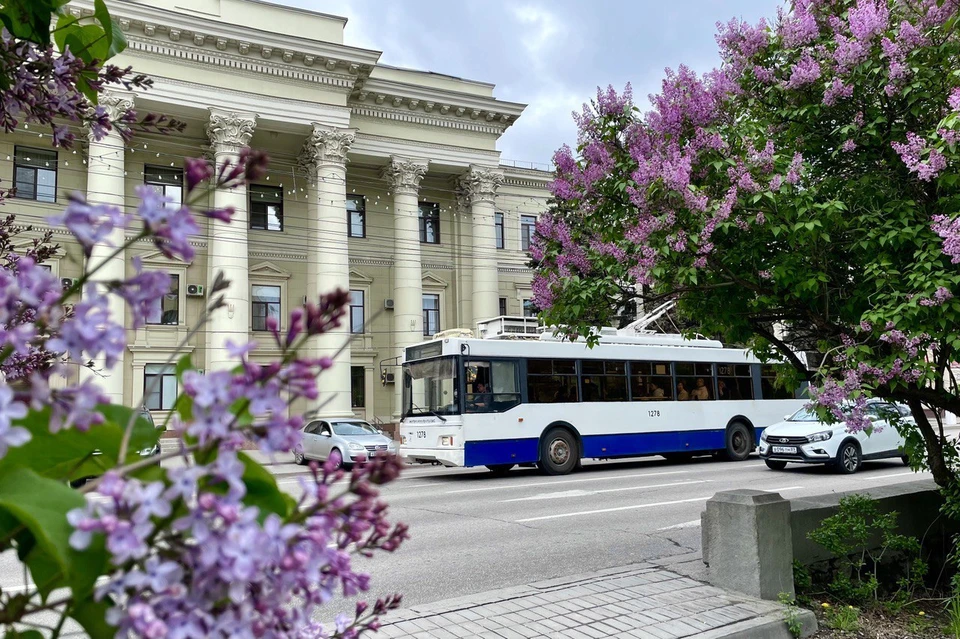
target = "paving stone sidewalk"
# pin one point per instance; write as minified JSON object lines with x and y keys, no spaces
{"x":643,"y":602}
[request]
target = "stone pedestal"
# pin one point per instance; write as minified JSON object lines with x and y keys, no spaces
{"x":403,"y":176}
{"x":105,"y":185}
{"x":747,"y":543}
{"x":229,"y":133}
{"x":324,"y":158}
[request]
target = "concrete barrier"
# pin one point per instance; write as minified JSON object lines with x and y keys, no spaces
{"x":751,"y":538}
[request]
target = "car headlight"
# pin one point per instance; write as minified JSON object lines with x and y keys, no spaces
{"x":146,"y":452}
{"x":821,"y":436}
{"x":763,"y":436}
{"x":355,"y":446}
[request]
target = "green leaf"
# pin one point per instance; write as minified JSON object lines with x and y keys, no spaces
{"x":92,"y":615}
{"x":41,"y":506}
{"x":23,"y":634}
{"x":115,"y":38}
{"x":88,"y":42}
{"x":262,"y":490}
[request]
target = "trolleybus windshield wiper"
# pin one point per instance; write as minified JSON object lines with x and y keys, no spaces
{"x":427,"y":410}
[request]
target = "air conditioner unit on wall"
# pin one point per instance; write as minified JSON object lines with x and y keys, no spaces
{"x":388,"y":304}
{"x":195,"y":290}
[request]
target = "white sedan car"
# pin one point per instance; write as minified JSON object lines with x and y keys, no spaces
{"x":803,"y":439}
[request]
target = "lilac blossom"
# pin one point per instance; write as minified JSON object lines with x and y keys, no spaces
{"x":949,"y":230}
{"x":91,"y":332}
{"x":868,"y":19}
{"x":90,"y":224}
{"x":144,"y":293}
{"x":804,"y":72}
{"x":11,"y":436}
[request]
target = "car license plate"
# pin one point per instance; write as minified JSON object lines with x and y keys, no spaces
{"x":785,"y":450}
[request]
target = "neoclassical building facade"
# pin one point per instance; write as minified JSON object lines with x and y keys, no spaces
{"x":383,"y":181}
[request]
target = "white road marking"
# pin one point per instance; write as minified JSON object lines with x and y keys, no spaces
{"x":895,"y":475}
{"x":611,"y":510}
{"x":687,"y":524}
{"x":780,"y":490}
{"x":585,"y":493}
{"x":566,"y":481}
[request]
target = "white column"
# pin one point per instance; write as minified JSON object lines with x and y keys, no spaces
{"x":105,"y":185}
{"x":229,"y":133}
{"x":324,"y":158}
{"x":404,"y":176}
{"x":479,"y":185}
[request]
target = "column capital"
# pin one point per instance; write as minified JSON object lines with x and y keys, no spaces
{"x":325,"y":145}
{"x":404,"y":174}
{"x":479,"y":184}
{"x":230,"y":130}
{"x":116,"y":105}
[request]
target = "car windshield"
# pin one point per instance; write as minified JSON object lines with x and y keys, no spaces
{"x":804,"y":415}
{"x":353,"y":428}
{"x":430,"y":387}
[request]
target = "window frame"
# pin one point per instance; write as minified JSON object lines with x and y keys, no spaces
{"x":502,"y":306}
{"x":363,"y":311}
{"x":165,"y":170}
{"x":528,"y":224}
{"x":362,"y":387}
{"x":166,"y":370}
{"x":433,"y":219}
{"x":253,"y":304}
{"x":362,"y":210}
{"x":177,"y":321}
{"x":256,"y":188}
{"x":17,"y":166}
{"x":500,"y":231}
{"x":427,"y":311}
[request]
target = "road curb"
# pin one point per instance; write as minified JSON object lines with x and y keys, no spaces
{"x":769,"y":626}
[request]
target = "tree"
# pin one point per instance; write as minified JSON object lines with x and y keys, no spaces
{"x":211,"y":547}
{"x":809,"y":183}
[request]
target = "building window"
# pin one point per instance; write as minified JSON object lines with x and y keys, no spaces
{"x":356,"y":216}
{"x":503,"y":306}
{"x":429,"y":223}
{"x":167,"y":182}
{"x":266,"y":303}
{"x":527,"y":225}
{"x":499,"y":225}
{"x":356,"y":312}
{"x":358,"y":387}
{"x":529,"y":310}
{"x":431,"y":314}
{"x":35,"y":174}
{"x":159,"y":386}
{"x":167,"y":312}
{"x":266,"y":208}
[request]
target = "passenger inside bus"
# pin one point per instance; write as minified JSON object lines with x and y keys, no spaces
{"x":591,"y":392}
{"x":654,"y":391}
{"x":700,"y":392}
{"x":682,"y":394}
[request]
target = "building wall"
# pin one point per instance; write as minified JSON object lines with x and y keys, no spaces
{"x":302,"y":99}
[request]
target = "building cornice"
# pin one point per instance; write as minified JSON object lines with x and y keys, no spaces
{"x":382,"y":93}
{"x":459,"y":123}
{"x":383,"y":146}
{"x":532,"y":178}
{"x":215,"y":36}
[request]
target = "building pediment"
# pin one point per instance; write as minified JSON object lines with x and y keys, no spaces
{"x":429,"y":280}
{"x":269,"y":271}
{"x":356,"y":277}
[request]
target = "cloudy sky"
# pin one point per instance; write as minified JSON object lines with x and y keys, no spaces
{"x":549,"y":54}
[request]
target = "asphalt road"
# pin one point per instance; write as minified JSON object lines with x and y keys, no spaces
{"x":472,"y":532}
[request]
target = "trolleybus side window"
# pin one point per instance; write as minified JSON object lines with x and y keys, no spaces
{"x":694,"y":381}
{"x":551,"y":381}
{"x":603,"y":381}
{"x":768,"y":385}
{"x":492,"y":386}
{"x":651,"y":381}
{"x":734,"y":381}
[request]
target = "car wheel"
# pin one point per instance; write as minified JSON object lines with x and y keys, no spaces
{"x":739,"y":442}
{"x":500,"y":469}
{"x":905,"y":460}
{"x":298,"y":457}
{"x":335,"y":459}
{"x":848,"y":459}
{"x":776,"y":464}
{"x":559,"y":452}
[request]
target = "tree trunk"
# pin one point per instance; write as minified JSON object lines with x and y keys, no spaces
{"x":934,"y":445}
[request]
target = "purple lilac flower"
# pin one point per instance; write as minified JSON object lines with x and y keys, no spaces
{"x":144,"y":293}
{"x":11,"y":436}
{"x":912,"y":153}
{"x":90,"y":224}
{"x":170,"y":224}
{"x":949,"y":230}
{"x":868,"y":19}
{"x":954,"y":99}
{"x":804,"y":72}
{"x":90,"y":331}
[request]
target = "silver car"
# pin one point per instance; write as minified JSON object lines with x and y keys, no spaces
{"x":342,"y":440}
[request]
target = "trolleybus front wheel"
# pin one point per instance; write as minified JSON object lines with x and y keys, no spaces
{"x":739,"y":442}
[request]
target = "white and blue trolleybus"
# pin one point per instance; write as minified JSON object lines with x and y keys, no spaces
{"x":512,"y":397}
